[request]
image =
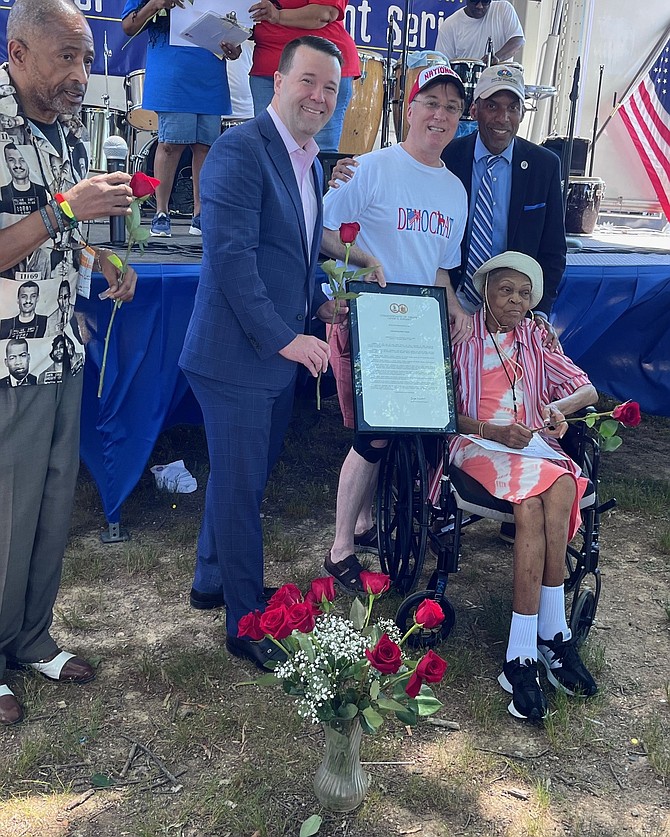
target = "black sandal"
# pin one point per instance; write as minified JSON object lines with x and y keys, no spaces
{"x":346,"y":573}
{"x":367,"y":541}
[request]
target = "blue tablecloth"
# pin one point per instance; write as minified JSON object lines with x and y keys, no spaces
{"x":614,"y":320}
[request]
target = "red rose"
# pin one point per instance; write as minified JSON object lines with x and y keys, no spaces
{"x":431,"y":667}
{"x":375,"y":583}
{"x":413,"y":687}
{"x":323,"y":588}
{"x":429,"y":614}
{"x":348,"y":232}
{"x":250,"y":625}
{"x":302,"y":617}
{"x":287,"y":595}
{"x":628,"y":414}
{"x":143,"y":185}
{"x":276,"y":622}
{"x":386,"y":656}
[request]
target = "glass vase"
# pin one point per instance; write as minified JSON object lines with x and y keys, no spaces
{"x":340,"y":783}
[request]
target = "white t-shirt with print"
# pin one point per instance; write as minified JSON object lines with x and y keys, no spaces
{"x":460,"y":36}
{"x":412,"y":216}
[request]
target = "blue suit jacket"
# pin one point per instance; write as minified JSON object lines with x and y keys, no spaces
{"x":256,"y":286}
{"x":535,"y":224}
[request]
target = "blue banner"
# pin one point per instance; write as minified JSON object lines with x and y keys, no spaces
{"x":367,"y":21}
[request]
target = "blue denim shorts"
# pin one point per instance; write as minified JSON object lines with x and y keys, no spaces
{"x":188,"y":128}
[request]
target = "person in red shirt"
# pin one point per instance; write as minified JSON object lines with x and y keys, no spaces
{"x":275,"y":25}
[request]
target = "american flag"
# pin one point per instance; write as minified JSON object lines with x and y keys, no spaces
{"x":646,"y":115}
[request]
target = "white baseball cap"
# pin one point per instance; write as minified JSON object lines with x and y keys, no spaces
{"x":500,"y":77}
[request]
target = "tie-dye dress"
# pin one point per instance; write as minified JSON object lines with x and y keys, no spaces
{"x":484,"y":392}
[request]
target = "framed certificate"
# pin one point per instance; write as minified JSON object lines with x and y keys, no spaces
{"x":401,"y":359}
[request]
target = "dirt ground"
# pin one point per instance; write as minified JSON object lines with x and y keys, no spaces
{"x":236,"y":762}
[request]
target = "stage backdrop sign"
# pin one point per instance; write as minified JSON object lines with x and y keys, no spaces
{"x":366,"y":21}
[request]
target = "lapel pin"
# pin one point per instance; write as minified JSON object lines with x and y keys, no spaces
{"x":524,"y":164}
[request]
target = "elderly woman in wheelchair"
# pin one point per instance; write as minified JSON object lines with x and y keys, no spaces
{"x":511,"y":390}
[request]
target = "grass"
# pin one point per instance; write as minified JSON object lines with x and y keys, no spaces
{"x":643,"y":496}
{"x":248,"y":760}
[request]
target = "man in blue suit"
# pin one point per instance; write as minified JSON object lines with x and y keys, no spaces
{"x":528,"y":210}
{"x":261,"y":191}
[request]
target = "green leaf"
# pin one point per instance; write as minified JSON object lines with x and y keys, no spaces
{"x":611,"y":443}
{"x":358,"y":614}
{"x":312,"y":824}
{"x":389,"y":705}
{"x":367,"y":727}
{"x":349,"y":295}
{"x":427,"y":703}
{"x":374,"y":689}
{"x":135,"y":214}
{"x":348,"y":711}
{"x":590,"y":421}
{"x":115,"y":260}
{"x":142,"y":234}
{"x":407,"y":717}
{"x":373,"y":718}
{"x":100,"y":780}
{"x":305,"y":645}
{"x":608,"y":428}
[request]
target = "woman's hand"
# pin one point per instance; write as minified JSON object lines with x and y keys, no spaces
{"x":264,"y":10}
{"x":556,"y":426}
{"x":512,"y":435}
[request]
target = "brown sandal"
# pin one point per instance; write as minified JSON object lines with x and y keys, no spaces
{"x":346,"y":573}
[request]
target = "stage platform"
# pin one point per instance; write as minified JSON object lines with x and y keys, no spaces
{"x":613,"y":314}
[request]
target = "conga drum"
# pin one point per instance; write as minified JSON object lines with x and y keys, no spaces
{"x":468,"y":70}
{"x":364,"y":114}
{"x":431,"y":59}
{"x":584,"y":196}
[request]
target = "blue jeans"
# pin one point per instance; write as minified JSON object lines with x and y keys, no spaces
{"x":328,"y":138}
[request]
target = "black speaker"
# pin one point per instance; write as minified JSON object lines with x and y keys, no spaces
{"x":329,"y":160}
{"x":580,"y":152}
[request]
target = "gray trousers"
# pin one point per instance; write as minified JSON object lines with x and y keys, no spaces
{"x":39,"y":461}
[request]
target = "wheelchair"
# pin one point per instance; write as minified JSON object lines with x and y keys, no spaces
{"x":423,"y":500}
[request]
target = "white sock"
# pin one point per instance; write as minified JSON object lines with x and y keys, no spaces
{"x":522,"y":637}
{"x":551,"y":616}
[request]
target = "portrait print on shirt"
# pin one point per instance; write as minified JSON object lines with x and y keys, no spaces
{"x":21,"y":195}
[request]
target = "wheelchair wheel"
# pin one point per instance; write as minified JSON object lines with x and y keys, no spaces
{"x":582,"y":616}
{"x":404,"y":619}
{"x":402,"y":512}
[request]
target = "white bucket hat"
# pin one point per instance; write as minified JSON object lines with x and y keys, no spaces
{"x":515,"y":261}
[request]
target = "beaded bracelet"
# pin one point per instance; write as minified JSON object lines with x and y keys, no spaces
{"x":66,"y":209}
{"x":47,"y":223}
{"x":60,"y":218}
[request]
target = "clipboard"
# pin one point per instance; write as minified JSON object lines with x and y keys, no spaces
{"x":211,"y":29}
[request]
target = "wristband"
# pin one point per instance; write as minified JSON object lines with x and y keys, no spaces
{"x":47,"y":223}
{"x":66,"y":209}
{"x":58,"y":215}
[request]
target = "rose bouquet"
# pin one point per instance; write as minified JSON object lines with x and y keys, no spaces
{"x":143,"y":187}
{"x":344,"y":669}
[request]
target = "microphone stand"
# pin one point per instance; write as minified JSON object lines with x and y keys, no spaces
{"x":106,"y":53}
{"x":594,"y":137}
{"x":388,"y":81}
{"x":566,"y":156}
{"x":403,"y":75}
{"x":489,"y":52}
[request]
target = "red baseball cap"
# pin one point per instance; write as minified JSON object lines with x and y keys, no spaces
{"x":432,"y":75}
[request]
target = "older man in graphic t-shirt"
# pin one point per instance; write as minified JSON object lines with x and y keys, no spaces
{"x":412,"y":212}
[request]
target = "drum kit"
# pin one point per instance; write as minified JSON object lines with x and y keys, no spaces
{"x":379,"y":83}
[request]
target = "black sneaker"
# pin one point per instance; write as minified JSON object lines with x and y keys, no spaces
{"x":507,"y":533}
{"x":521,"y":681}
{"x":565,"y":670}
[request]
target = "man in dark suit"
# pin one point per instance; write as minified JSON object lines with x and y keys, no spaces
{"x":249,"y":333}
{"x":17,"y":361}
{"x":528,"y":210}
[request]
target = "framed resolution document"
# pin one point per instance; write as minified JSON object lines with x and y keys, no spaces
{"x":401,"y":359}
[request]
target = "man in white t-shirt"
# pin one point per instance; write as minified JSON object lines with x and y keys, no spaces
{"x":412,"y":212}
{"x":465,"y":34}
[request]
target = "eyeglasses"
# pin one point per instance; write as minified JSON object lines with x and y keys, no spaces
{"x":434,"y":107}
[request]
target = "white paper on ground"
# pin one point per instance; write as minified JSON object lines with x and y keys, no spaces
{"x":174,"y":477}
{"x":537,"y":448}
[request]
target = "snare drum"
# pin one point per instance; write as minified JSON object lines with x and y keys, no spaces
{"x":468,"y":70}
{"x":584,"y":196}
{"x":181,"y":196}
{"x":100,"y":124}
{"x":140,"y":119}
{"x":364,"y":114}
{"x":431,"y":60}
